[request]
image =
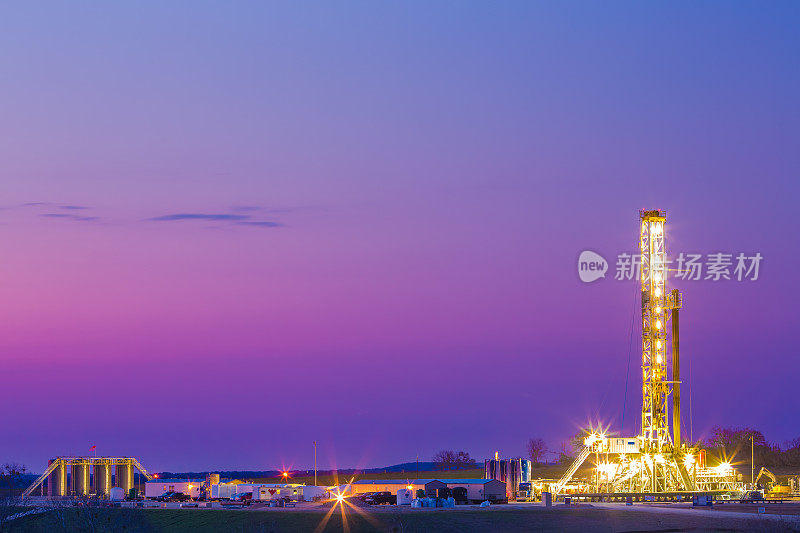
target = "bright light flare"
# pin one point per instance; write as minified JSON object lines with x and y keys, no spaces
{"x":723,"y":468}
{"x":608,"y":470}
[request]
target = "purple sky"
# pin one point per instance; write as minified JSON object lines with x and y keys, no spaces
{"x":395,"y":199}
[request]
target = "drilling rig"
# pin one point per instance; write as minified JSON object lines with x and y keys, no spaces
{"x":656,"y":461}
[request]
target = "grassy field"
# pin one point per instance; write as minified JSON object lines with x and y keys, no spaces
{"x":491,"y":520}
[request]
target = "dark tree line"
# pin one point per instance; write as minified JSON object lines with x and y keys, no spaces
{"x":452,"y":460}
{"x":735,"y":442}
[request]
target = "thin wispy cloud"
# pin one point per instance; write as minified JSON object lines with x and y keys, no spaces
{"x":199,"y":216}
{"x":268,"y":209}
{"x":243,"y":215}
{"x":69,"y":207}
{"x":236,"y":219}
{"x":65,"y":216}
{"x":260,"y":223}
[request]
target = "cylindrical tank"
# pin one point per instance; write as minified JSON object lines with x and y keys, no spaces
{"x":102,"y":479}
{"x":496,"y":469}
{"x":116,"y":494}
{"x":57,"y":480}
{"x":80,"y":479}
{"x":404,"y":497}
{"x":526,"y":471}
{"x":490,"y":469}
{"x":213,"y":479}
{"x":124,"y":478}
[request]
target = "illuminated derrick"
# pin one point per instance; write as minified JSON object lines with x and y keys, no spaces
{"x":655,"y":385}
{"x":655,"y":438}
{"x":655,"y":461}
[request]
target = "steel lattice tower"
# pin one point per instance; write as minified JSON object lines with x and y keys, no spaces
{"x":655,"y":302}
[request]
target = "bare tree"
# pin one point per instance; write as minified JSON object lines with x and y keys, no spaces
{"x":445,"y":459}
{"x":536,"y":450}
{"x":450,"y":459}
{"x":463,"y":460}
{"x":10,"y":476}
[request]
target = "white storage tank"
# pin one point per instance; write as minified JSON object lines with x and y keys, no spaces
{"x":404,"y":497}
{"x":116,"y":494}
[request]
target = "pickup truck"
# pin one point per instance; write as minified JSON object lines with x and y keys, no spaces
{"x":380,"y":498}
{"x":172,"y":496}
{"x":244,"y":497}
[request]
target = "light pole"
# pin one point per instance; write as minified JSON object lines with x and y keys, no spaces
{"x":752,"y":465}
{"x":315,"y":463}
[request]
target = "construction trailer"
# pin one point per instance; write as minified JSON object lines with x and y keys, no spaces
{"x":266,"y":491}
{"x":86,"y":476}
{"x":293,"y":491}
{"x":362,"y":486}
{"x":156,"y":487}
{"x":657,"y":460}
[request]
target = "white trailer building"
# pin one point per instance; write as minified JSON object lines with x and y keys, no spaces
{"x":267,"y":491}
{"x":156,"y":487}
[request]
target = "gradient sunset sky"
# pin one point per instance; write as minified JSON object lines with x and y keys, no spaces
{"x":228,"y":229}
